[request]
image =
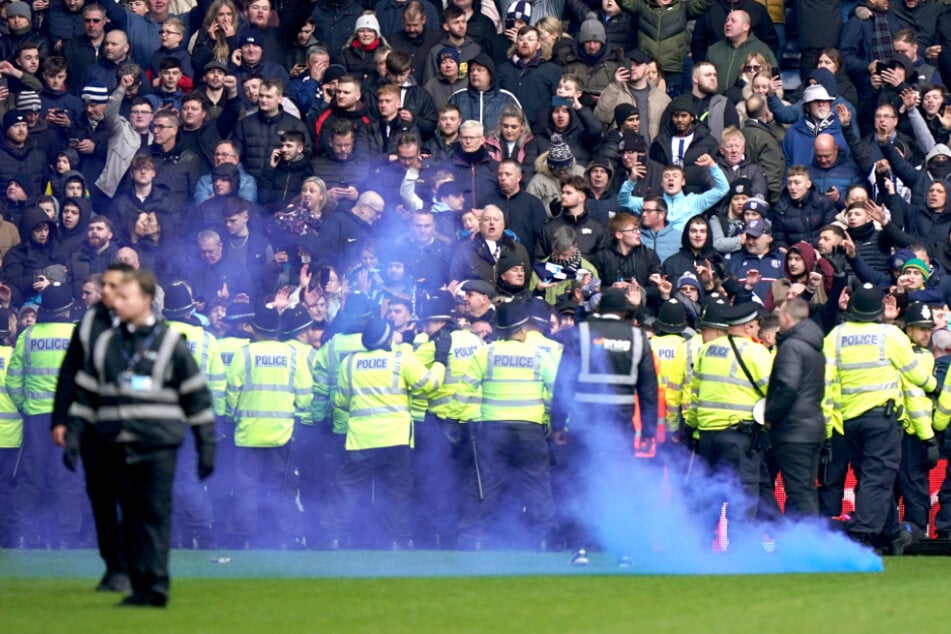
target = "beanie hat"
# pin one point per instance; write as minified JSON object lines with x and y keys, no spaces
{"x":19,"y":8}
{"x":178,"y":301}
{"x":671,"y":318}
{"x":11,"y":117}
{"x":367,"y":22}
{"x":376,"y":334}
{"x":592,"y":31}
{"x":614,"y":300}
{"x":623,"y":111}
{"x":29,"y":100}
{"x":449,"y":52}
{"x":508,"y":260}
{"x":919,"y":265}
{"x":295,"y":320}
{"x":740,"y":186}
{"x":866,"y":303}
{"x":683,"y":103}
{"x":559,"y":154}
{"x":689,"y":279}
{"x":519,"y":11}
{"x":334,"y":71}
{"x":266,"y":320}
{"x":95,"y":93}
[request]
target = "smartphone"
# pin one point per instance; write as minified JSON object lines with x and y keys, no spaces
{"x":343,"y":185}
{"x":509,"y":23}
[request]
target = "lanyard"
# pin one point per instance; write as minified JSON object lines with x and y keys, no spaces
{"x":133,"y":360}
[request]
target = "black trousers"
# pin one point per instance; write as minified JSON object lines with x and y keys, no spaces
{"x":103,"y":490}
{"x":512,"y":455}
{"x":832,"y":490}
{"x":265,"y":485}
{"x":437,"y":480}
{"x":9,"y":457}
{"x":194,"y":513}
{"x":728,"y":452}
{"x":799,"y":464}
{"x":874,"y":446}
{"x":145,"y":497}
{"x":390,"y":469}
{"x":912,"y":483}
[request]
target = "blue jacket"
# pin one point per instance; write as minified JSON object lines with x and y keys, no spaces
{"x":799,"y":140}
{"x":665,"y":242}
{"x":682,"y":207}
{"x":769,"y":265}
{"x":841,"y":175}
{"x":143,"y":31}
{"x":855,"y":42}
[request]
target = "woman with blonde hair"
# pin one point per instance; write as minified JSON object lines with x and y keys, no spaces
{"x":551,"y":31}
{"x":293,"y":230}
{"x":218,"y":36}
{"x":513,"y":139}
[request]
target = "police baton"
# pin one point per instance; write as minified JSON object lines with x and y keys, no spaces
{"x":475,"y":459}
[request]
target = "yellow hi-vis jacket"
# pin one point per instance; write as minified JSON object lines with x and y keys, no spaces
{"x":865,"y":363}
{"x":721,"y":394}
{"x":326,"y":369}
{"x":204,"y":348}
{"x":34,"y":366}
{"x":465,"y":343}
{"x":267,"y":386}
{"x":690,"y":363}
{"x":374,"y":388}
{"x":11,"y":423}
{"x":508,"y":380}
{"x":671,"y":354}
{"x":918,"y":407}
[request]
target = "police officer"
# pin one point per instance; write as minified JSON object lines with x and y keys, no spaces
{"x":865,"y":364}
{"x":374,"y":388}
{"x":794,"y":406}
{"x":31,"y":383}
{"x":722,"y":402}
{"x":11,"y":435}
{"x":670,"y":349}
{"x":919,"y":447}
{"x":506,"y":393}
{"x":140,"y":391}
{"x":441,"y":462}
{"x":268,"y":389}
{"x":82,"y":440}
{"x":712,"y":326}
{"x":314,"y":490}
{"x":193,"y":510}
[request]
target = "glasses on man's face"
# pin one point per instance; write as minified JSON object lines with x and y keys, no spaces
{"x":649,"y":210}
{"x":631,"y":230}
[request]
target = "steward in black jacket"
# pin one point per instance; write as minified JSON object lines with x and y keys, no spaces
{"x":794,"y":406}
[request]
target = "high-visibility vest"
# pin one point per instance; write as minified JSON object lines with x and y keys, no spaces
{"x":326,"y":369}
{"x":374,"y":389}
{"x":918,"y":407}
{"x":228,"y":346}
{"x":204,"y":348}
{"x":266,"y":388}
{"x":11,"y":423}
{"x":508,"y":380}
{"x":721,"y":393}
{"x":671,"y":354}
{"x":34,"y":366}
{"x":865,"y":364}
{"x":465,"y":343}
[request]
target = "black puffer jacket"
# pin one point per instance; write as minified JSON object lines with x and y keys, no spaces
{"x":796,"y":386}
{"x":794,"y":221}
{"x":259,"y":134}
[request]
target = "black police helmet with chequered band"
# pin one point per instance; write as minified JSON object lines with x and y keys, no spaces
{"x":178,"y":301}
{"x":295,"y":320}
{"x":438,"y":307}
{"x":377,"y":334}
{"x":712,"y":315}
{"x":919,"y":314}
{"x":866,"y":303}
{"x":238,"y":313}
{"x":266,"y":320}
{"x":671,"y":318}
{"x":56,"y":299}
{"x":511,"y":315}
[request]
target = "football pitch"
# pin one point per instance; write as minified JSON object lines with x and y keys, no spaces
{"x":382,"y":592}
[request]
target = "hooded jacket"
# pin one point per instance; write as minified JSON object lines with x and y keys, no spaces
{"x":796,"y":386}
{"x":686,"y":260}
{"x":486,"y":106}
{"x":28,"y":258}
{"x":27,"y":161}
{"x":780,"y":287}
{"x":582,"y":135}
{"x":70,"y":241}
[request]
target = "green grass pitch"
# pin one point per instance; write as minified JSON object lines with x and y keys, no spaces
{"x":275,"y":593}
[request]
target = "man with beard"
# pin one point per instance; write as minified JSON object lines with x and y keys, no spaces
{"x":18,"y":153}
{"x":757,"y":264}
{"x":529,"y":77}
{"x":418,"y":37}
{"x":348,"y":106}
{"x":683,"y":141}
{"x":713,"y":109}
{"x":592,"y":236}
{"x":817,"y":117}
{"x":95,"y":255}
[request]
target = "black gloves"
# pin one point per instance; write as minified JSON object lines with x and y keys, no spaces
{"x":443,"y":342}
{"x":71,"y":451}
{"x":825,"y":454}
{"x":930,"y":459}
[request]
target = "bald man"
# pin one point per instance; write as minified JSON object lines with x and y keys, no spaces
{"x":832,"y":169}
{"x":344,"y":234}
{"x":729,"y":54}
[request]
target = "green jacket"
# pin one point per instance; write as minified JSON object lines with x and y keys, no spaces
{"x":662,"y":30}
